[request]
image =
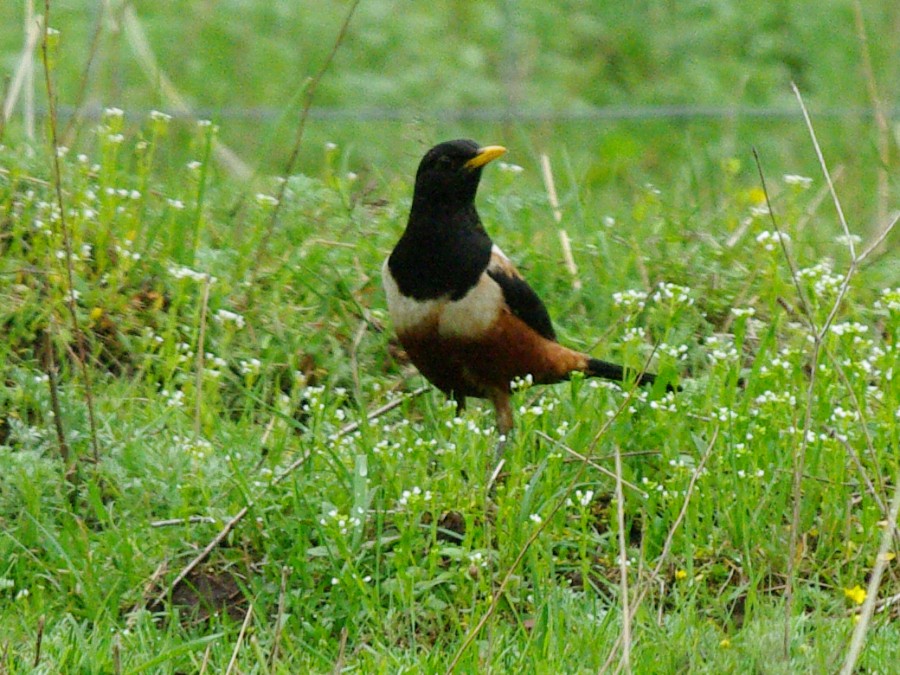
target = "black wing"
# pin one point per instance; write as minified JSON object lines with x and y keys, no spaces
{"x":522,"y":300}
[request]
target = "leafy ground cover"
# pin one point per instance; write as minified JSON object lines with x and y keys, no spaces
{"x":191,"y":359}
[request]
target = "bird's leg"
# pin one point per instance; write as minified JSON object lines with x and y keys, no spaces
{"x":502,"y":406}
{"x":503,"y":409}
{"x":460,"y":404}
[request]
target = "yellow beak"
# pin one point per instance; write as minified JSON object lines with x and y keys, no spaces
{"x":485,"y":155}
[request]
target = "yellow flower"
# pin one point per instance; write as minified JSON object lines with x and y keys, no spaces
{"x":756,"y":196}
{"x":725,"y":643}
{"x":681,"y":575}
{"x":96,"y":313}
{"x":856,"y":594}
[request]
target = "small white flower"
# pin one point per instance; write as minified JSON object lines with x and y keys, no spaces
{"x":183,"y":272}
{"x":173,"y":399}
{"x":158,"y":116}
{"x":250,"y":367}
{"x":510,"y":168}
{"x":522,"y":382}
{"x":224,"y":316}
{"x":845,"y":239}
{"x":266,"y":200}
{"x":630,"y":300}
{"x":677,"y":294}
{"x":794,"y":179}
{"x":889,"y":300}
{"x":584,"y":498}
{"x":769,"y":240}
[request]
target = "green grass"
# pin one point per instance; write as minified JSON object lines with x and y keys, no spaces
{"x":383,"y":549}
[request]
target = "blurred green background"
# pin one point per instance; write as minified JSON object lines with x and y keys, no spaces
{"x":629,"y":92}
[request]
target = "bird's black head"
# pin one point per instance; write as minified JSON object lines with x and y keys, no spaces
{"x":448,"y":174}
{"x":444,"y":249}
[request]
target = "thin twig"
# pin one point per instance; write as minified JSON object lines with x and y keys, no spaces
{"x":881,"y":561}
{"x":880,"y":237}
{"x":583,"y":458}
{"x":137,"y":39}
{"x":67,"y":237}
{"x":192,"y":520}
{"x":39,"y":641}
{"x":354,"y":359}
{"x":27,"y":179}
{"x":799,"y":457}
{"x":4,"y":97}
{"x":576,"y":479}
{"x":117,"y":653}
{"x":670,"y":537}
{"x":239,"y":516}
{"x":240,"y":640}
{"x":50,"y":368}
{"x":206,"y":655}
{"x":623,"y":566}
{"x":201,"y":344}
{"x":867,"y":434}
{"x":889,"y":601}
{"x":814,"y":204}
{"x":28,"y":107}
{"x":342,"y":648}
{"x":208,"y":549}
{"x":870,"y":488}
{"x":782,"y":240}
{"x":818,"y":335}
{"x":279,"y":616}
{"x":311,"y":86}
{"x":550,"y":186}
{"x":86,"y":71}
{"x":881,"y":121}
{"x":824,"y":167}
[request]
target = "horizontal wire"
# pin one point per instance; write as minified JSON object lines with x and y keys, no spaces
{"x":496,"y":114}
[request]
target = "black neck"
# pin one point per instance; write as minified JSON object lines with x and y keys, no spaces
{"x":443,"y":251}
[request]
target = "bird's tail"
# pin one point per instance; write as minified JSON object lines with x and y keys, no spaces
{"x":611,"y":371}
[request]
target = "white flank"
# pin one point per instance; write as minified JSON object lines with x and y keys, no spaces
{"x":468,"y":317}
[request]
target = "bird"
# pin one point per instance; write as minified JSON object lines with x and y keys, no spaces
{"x":463,"y":313}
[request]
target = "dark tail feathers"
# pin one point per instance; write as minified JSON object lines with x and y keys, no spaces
{"x":611,"y":371}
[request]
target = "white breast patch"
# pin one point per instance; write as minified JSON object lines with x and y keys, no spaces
{"x":468,"y":317}
{"x":474,"y":313}
{"x":406,"y":313}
